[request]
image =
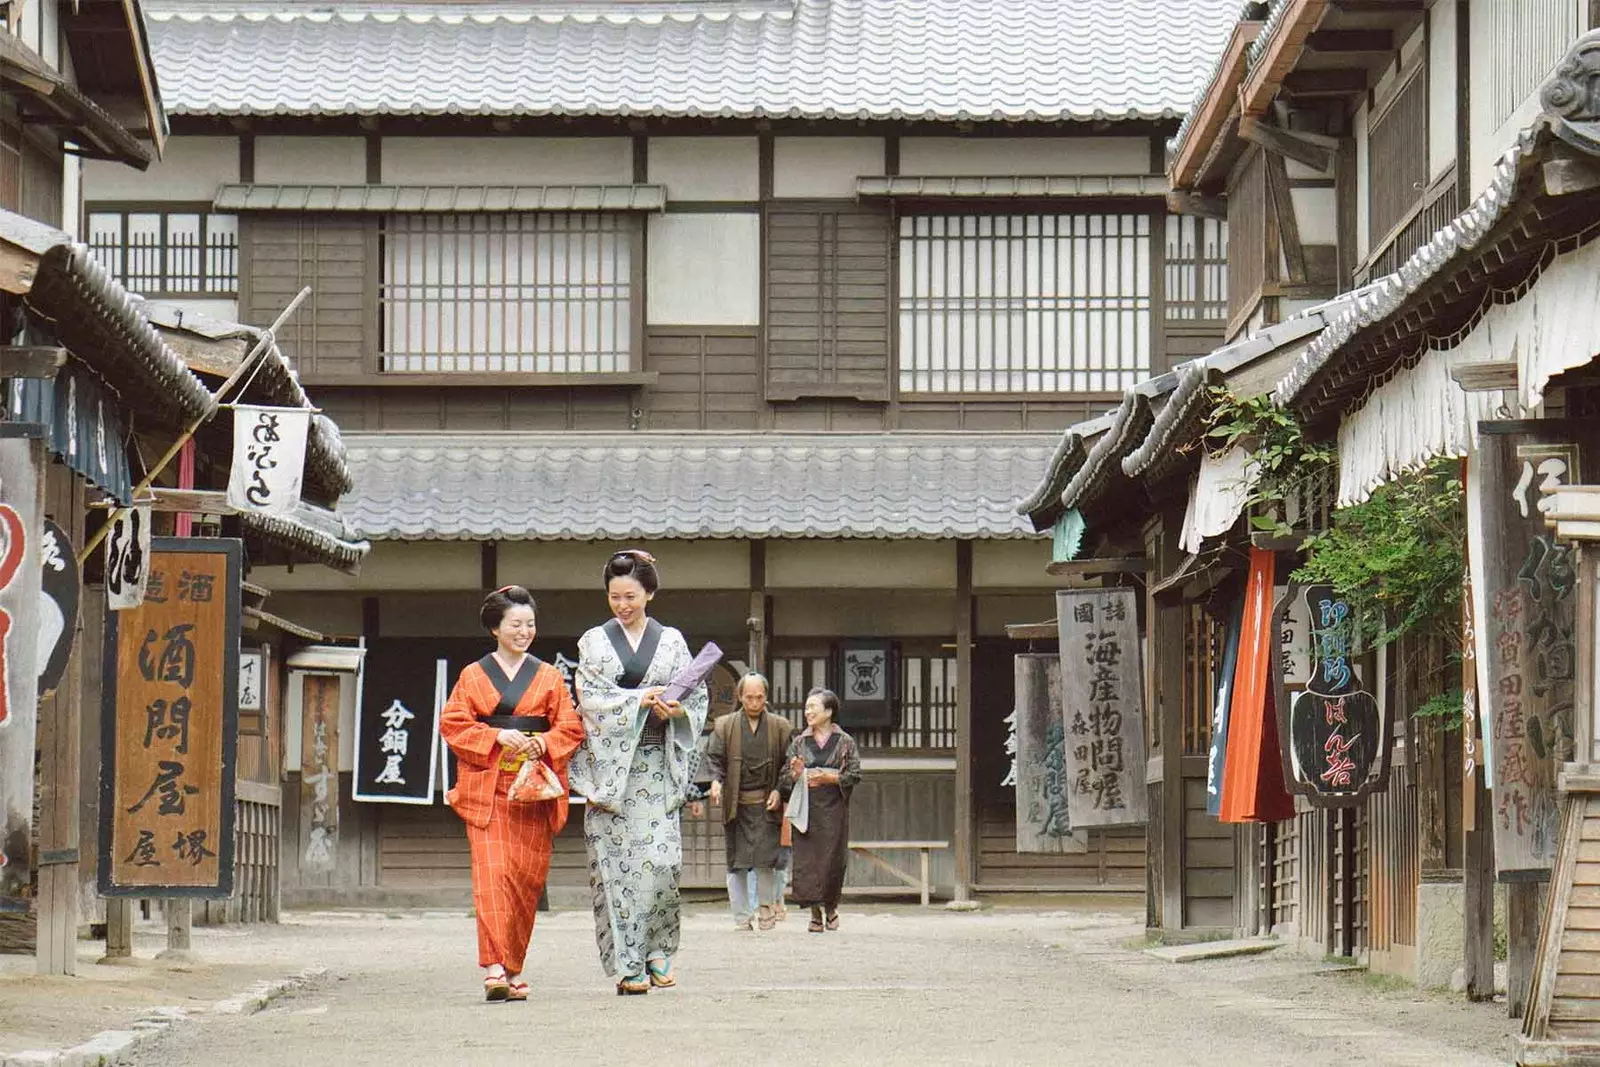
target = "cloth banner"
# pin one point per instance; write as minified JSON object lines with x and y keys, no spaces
{"x":128,"y":558}
{"x":1217,"y":757}
{"x":1217,"y":497}
{"x":1252,"y":777}
{"x":798,"y":813}
{"x":269,"y":458}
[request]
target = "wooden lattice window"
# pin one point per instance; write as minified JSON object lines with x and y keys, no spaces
{"x":926,"y":700}
{"x":1196,"y":269}
{"x":1024,"y":303}
{"x":529,"y":292}
{"x":1397,"y":158}
{"x":170,"y":252}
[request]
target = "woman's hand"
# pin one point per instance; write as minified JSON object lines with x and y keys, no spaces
{"x":515,"y":742}
{"x":797,"y":767}
{"x":696,"y":808}
{"x":822,"y":776}
{"x":774,"y":801}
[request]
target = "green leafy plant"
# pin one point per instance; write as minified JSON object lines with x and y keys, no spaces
{"x":1283,"y":463}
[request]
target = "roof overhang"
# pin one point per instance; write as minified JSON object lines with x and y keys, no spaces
{"x":1211,"y":112}
{"x":1018,"y":187}
{"x":388,"y":199}
{"x":45,"y":98}
{"x":111,"y":60}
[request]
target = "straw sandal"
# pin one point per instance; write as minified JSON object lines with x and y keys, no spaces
{"x":815,"y":925}
{"x":633,"y":986}
{"x":833,"y":920}
{"x":517,"y":989}
{"x":496,"y":988}
{"x":661,"y":977}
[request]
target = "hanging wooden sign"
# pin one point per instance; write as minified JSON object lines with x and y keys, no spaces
{"x":1529,"y":586}
{"x":1043,"y":821}
{"x":1102,"y":695}
{"x":21,"y":462}
{"x":171,"y":726}
{"x":127,"y":558}
{"x":1336,"y":740}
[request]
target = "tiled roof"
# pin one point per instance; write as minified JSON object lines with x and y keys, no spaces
{"x":574,"y":486}
{"x":1001,"y":188}
{"x":817,"y":59}
{"x":451,"y":198}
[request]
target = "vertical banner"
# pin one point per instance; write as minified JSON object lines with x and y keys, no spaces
{"x":1216,"y":759}
{"x":396,"y":743}
{"x":21,"y":462}
{"x":128,"y":558}
{"x":1336,"y":740}
{"x":269,"y":458}
{"x":58,"y":605}
{"x":319,"y":769}
{"x":1471,"y":741}
{"x":1043,"y":821}
{"x":1529,"y":585}
{"x":1102,"y":693}
{"x":171,"y":726}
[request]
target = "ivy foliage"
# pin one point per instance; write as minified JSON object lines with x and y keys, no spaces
{"x":1283,"y":462}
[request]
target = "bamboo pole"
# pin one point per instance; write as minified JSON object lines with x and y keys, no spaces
{"x":268,"y":337}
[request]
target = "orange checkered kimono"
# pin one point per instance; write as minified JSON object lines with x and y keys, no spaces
{"x":511,"y":843}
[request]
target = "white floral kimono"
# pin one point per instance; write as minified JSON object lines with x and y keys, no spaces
{"x":633,"y":771}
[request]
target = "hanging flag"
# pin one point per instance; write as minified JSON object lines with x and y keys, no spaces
{"x":1252,"y":777}
{"x":1219,"y":713}
{"x":269,"y":458}
{"x":58,"y":605}
{"x":128,"y":558}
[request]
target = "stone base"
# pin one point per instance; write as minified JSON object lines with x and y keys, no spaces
{"x":1441,"y":934}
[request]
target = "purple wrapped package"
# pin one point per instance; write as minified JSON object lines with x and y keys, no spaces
{"x":696,"y":672}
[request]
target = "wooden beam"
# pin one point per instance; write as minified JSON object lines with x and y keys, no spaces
{"x":1486,"y":377}
{"x":1311,"y":149}
{"x":1091,"y":567}
{"x":1382,"y":7}
{"x":966,"y":810}
{"x":31,"y":361}
{"x":1369,"y":40}
{"x":1294,"y":253}
{"x":1034,"y":631}
{"x":1208,"y":207}
{"x":1338,"y":81}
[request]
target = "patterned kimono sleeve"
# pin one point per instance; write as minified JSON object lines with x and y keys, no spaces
{"x":786,"y":778}
{"x":566,"y":726}
{"x":474,"y":742}
{"x":849,"y":764}
{"x":612,"y":720}
{"x":683,"y":734}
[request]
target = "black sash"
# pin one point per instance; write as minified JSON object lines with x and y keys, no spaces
{"x":511,"y":691}
{"x":635,"y":664}
{"x":528,"y":724}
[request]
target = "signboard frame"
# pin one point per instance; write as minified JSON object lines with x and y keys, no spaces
{"x":233,"y":552}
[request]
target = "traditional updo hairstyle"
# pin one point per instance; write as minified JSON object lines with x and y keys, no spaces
{"x":502,"y":600}
{"x":829,"y":699}
{"x":636,"y":564}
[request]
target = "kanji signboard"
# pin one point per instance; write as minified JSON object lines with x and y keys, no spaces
{"x":1043,"y":821}
{"x":171,"y":725}
{"x":1102,"y":695}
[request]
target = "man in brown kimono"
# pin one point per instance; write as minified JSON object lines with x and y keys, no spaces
{"x":745,"y":757}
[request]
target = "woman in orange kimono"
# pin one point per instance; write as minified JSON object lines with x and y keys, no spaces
{"x":505,"y":709}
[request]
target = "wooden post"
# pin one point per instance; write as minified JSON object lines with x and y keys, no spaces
{"x":1478,"y":961}
{"x":119,"y":930}
{"x":1163,"y":695}
{"x":965,"y":835}
{"x":757,"y":620}
{"x":1524,"y":907}
{"x":59,"y":776}
{"x":180,"y":920}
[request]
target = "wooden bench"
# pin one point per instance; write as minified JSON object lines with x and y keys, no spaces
{"x":868,"y":850}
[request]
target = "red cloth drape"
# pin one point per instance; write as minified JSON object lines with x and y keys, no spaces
{"x":1252,"y":776}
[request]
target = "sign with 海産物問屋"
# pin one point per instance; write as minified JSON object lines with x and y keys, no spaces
{"x":1102,"y":698}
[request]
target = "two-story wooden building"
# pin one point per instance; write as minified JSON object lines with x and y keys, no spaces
{"x":797,"y":294}
{"x":1378,"y":167}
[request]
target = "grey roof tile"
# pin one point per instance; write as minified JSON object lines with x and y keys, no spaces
{"x":819,"y":59}
{"x":452,"y":198}
{"x":574,"y":486}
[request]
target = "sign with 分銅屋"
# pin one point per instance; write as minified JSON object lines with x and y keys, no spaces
{"x":1102,"y":699}
{"x":171,"y":725}
{"x":396,"y":746}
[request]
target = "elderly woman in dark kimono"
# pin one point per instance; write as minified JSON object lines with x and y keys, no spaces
{"x":634,"y":769}
{"x":825,"y":756}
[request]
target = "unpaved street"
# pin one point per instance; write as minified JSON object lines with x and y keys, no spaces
{"x":897,"y":986}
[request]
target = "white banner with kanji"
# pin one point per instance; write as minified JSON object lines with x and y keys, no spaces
{"x":269,"y":458}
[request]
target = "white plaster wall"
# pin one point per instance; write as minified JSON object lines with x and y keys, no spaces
{"x":507,"y":161}
{"x":311,"y":160}
{"x":190,"y":168}
{"x":704,"y":270}
{"x":996,"y":612}
{"x":682,"y":565}
{"x":1317,"y":212}
{"x":1441,"y":87}
{"x":1490,"y":135}
{"x":823,"y":166}
{"x":72,"y":195}
{"x":40,"y":30}
{"x":1016,"y":564}
{"x":1363,"y":184}
{"x":1024,"y":155}
{"x":862,"y":564}
{"x":706,"y":168}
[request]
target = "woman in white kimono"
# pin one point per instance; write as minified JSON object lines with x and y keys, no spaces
{"x":634,"y":769}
